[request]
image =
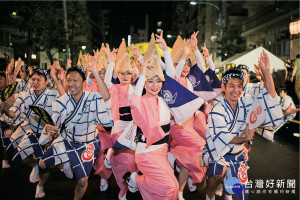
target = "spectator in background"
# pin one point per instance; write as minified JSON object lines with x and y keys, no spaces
{"x":288,"y":81}
{"x":285,"y":102}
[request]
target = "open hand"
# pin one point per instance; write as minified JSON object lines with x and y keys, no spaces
{"x":145,"y":66}
{"x":134,"y":50}
{"x":291,"y":110}
{"x":205,"y":51}
{"x":264,"y":61}
{"x":160,"y":41}
{"x":194,"y":40}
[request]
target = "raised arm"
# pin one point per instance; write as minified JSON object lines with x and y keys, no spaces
{"x":57,"y":82}
{"x":186,"y":52}
{"x":200,"y":61}
{"x":142,"y":79}
{"x":265,"y":65}
{"x":110,"y":69}
{"x":168,"y":60}
{"x":92,"y":68}
{"x":162,"y":64}
{"x":135,"y":51}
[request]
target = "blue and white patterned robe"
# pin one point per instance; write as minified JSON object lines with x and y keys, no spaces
{"x":25,"y":138}
{"x":79,"y":143}
{"x":224,"y":124}
{"x":253,"y":89}
{"x":23,"y":85}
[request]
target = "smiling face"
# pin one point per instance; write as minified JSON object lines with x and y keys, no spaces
{"x":186,"y":68}
{"x":74,"y":84}
{"x":153,"y":86}
{"x":38,"y":83}
{"x":233,"y":90}
{"x":125,"y":78}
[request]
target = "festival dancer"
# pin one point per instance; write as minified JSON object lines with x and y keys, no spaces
{"x":250,"y":88}
{"x":79,"y":111}
{"x":152,"y":116}
{"x":24,"y":83}
{"x":189,"y":144}
{"x":228,"y":132}
{"x":121,"y":161}
{"x":24,"y":141}
{"x":104,"y":132}
{"x":5,"y":132}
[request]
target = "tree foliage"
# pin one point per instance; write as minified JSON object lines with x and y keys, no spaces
{"x":230,"y":44}
{"x":43,"y":25}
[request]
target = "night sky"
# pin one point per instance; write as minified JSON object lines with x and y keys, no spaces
{"x":125,"y":13}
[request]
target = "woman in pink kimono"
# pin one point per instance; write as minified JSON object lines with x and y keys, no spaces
{"x":201,"y":115}
{"x":121,"y":161}
{"x":152,"y":116}
{"x":104,"y":133}
{"x":188,"y":144}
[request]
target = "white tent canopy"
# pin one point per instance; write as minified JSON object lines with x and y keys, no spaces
{"x":250,"y":58}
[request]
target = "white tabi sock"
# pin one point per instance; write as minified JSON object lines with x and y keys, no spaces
{"x":180,"y":196}
{"x":207,"y":198}
{"x":132,"y":186}
{"x":107,"y":158}
{"x":192,"y":187}
{"x":39,"y":193}
{"x":5,"y":164}
{"x":103,"y":185}
{"x":171,"y":159}
{"x":228,"y":197}
{"x":34,"y":174}
{"x":123,"y":197}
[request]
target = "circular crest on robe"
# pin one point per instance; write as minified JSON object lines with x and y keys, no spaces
{"x":193,"y":81}
{"x":168,"y":97}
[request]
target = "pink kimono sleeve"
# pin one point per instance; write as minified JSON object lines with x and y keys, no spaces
{"x":144,"y":119}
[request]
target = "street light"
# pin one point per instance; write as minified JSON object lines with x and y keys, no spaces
{"x":219,"y":19}
{"x":170,"y":36}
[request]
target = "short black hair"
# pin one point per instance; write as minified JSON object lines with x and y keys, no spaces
{"x":188,"y":62}
{"x":298,"y":56}
{"x":281,"y":89}
{"x":76,"y":69}
{"x":2,"y":73}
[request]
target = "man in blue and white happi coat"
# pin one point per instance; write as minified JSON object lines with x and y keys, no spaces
{"x":79,"y":111}
{"x":227,"y":131}
{"x":24,"y":141}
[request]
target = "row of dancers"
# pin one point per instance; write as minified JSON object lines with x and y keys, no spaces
{"x":137,"y":118}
